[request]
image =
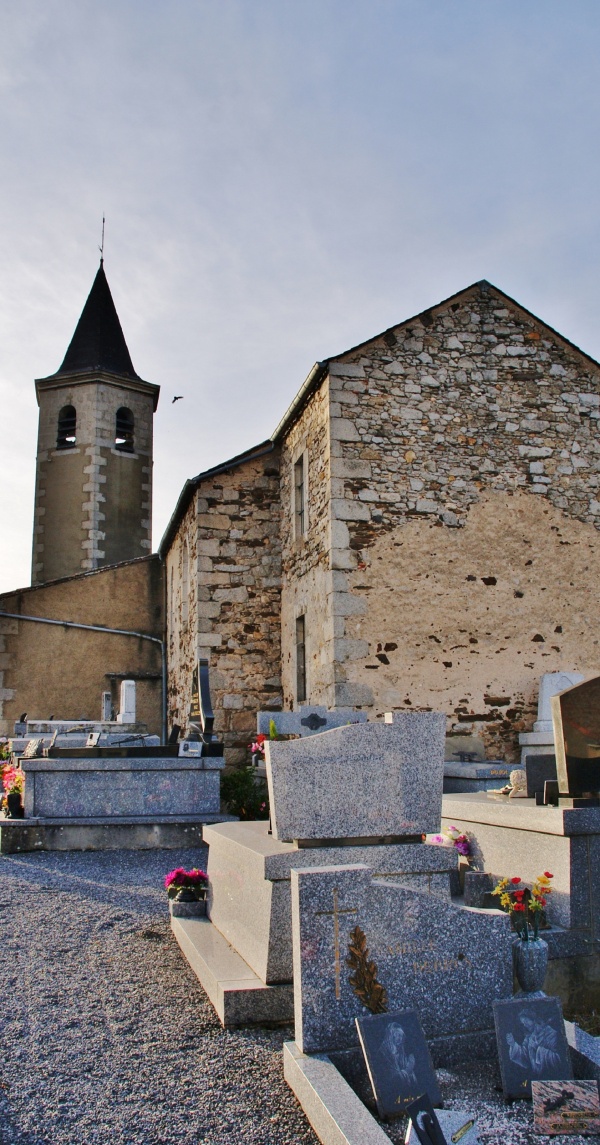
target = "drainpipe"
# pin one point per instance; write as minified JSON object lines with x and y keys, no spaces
{"x":110,"y":632}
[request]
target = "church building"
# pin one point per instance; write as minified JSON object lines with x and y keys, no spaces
{"x":420,"y":531}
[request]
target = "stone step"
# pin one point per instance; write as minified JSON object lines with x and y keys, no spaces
{"x":236,"y":992}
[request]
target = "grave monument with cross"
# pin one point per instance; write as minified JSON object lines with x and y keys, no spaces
{"x":363,"y":796}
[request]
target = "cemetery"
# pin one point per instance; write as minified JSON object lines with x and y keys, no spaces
{"x":386,"y":948}
{"x":376,"y":918}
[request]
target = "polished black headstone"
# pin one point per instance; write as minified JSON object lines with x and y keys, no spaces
{"x":398,"y":1060}
{"x":539,"y":769}
{"x":532,"y":1045}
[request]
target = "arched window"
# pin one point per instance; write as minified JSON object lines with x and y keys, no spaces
{"x":67,"y":428}
{"x":124,"y":430}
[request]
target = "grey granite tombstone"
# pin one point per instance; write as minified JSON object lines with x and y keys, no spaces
{"x":362,"y":946}
{"x":541,"y":739}
{"x":363,"y":782}
{"x":398,"y":1060}
{"x":308,"y":720}
{"x":532,"y":1044}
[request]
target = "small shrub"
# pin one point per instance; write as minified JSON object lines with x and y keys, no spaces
{"x":245,"y":794}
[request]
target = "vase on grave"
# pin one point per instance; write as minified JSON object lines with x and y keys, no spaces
{"x":187,"y":906}
{"x":530,"y":961}
{"x":14,"y":805}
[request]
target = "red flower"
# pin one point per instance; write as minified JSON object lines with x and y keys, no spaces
{"x":519,"y":906}
{"x":548,"y":875}
{"x":516,"y":881}
{"x":519,"y":895}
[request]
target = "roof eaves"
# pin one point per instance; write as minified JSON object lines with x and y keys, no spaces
{"x":193,"y":482}
{"x":313,"y":380}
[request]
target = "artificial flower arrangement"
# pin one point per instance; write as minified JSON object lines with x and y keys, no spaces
{"x":452,"y":837}
{"x":257,"y":747}
{"x":524,"y":906}
{"x":188,"y":886}
{"x":13,"y":780}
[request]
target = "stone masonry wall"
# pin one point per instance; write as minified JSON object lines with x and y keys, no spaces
{"x":307,"y":578}
{"x":92,"y":501}
{"x":466,"y":469}
{"x":232,"y":532}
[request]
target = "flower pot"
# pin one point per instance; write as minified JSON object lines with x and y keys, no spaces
{"x":14,"y":805}
{"x":530,"y":961}
{"x":178,"y":908}
{"x":186,"y":895}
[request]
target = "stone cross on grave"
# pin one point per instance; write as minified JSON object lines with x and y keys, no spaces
{"x":335,"y":913}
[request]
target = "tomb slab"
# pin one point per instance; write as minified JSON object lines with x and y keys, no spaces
{"x":369,"y":780}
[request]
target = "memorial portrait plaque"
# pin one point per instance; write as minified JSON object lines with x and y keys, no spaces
{"x":576,"y":718}
{"x":566,"y":1107}
{"x":398,"y":1060}
{"x":532,"y":1045}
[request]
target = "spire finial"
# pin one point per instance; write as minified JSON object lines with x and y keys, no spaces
{"x":101,"y":248}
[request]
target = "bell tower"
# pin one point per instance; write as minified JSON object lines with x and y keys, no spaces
{"x":93,"y":489}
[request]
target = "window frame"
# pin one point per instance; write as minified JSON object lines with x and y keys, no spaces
{"x":300,"y":494}
{"x":127,"y":427}
{"x":301,"y":659}
{"x":66,"y":438}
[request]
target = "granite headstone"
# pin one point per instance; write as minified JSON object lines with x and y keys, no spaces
{"x":367,"y":781}
{"x":398,"y":1060}
{"x":532,"y":1044}
{"x":362,"y":946}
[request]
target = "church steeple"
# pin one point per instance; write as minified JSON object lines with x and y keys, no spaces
{"x":93,"y":496}
{"x":98,"y":342}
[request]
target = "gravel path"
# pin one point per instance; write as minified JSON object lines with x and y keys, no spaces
{"x":107,"y":1035}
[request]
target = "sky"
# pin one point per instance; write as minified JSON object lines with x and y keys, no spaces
{"x":281,"y":180}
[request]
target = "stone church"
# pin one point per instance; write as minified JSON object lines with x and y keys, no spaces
{"x":420,"y":531}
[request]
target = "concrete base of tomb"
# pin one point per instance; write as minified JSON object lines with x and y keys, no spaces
{"x":103,"y":834}
{"x":336,"y":1114}
{"x":516,"y":837}
{"x":335,"y":1111}
{"x":250,"y":895}
{"x":236,"y":992}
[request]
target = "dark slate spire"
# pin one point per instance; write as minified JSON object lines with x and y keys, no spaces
{"x":98,"y":342}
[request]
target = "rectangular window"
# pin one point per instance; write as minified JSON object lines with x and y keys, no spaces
{"x":301,"y":659}
{"x":300,"y":496}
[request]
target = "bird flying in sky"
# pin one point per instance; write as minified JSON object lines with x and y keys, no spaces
{"x":177,"y":398}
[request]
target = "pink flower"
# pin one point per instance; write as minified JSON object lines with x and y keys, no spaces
{"x":182,"y":878}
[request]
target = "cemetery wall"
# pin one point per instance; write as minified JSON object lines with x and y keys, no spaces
{"x":467,"y":451}
{"x":47,"y":670}
{"x":306,"y":564}
{"x":223,"y":571}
